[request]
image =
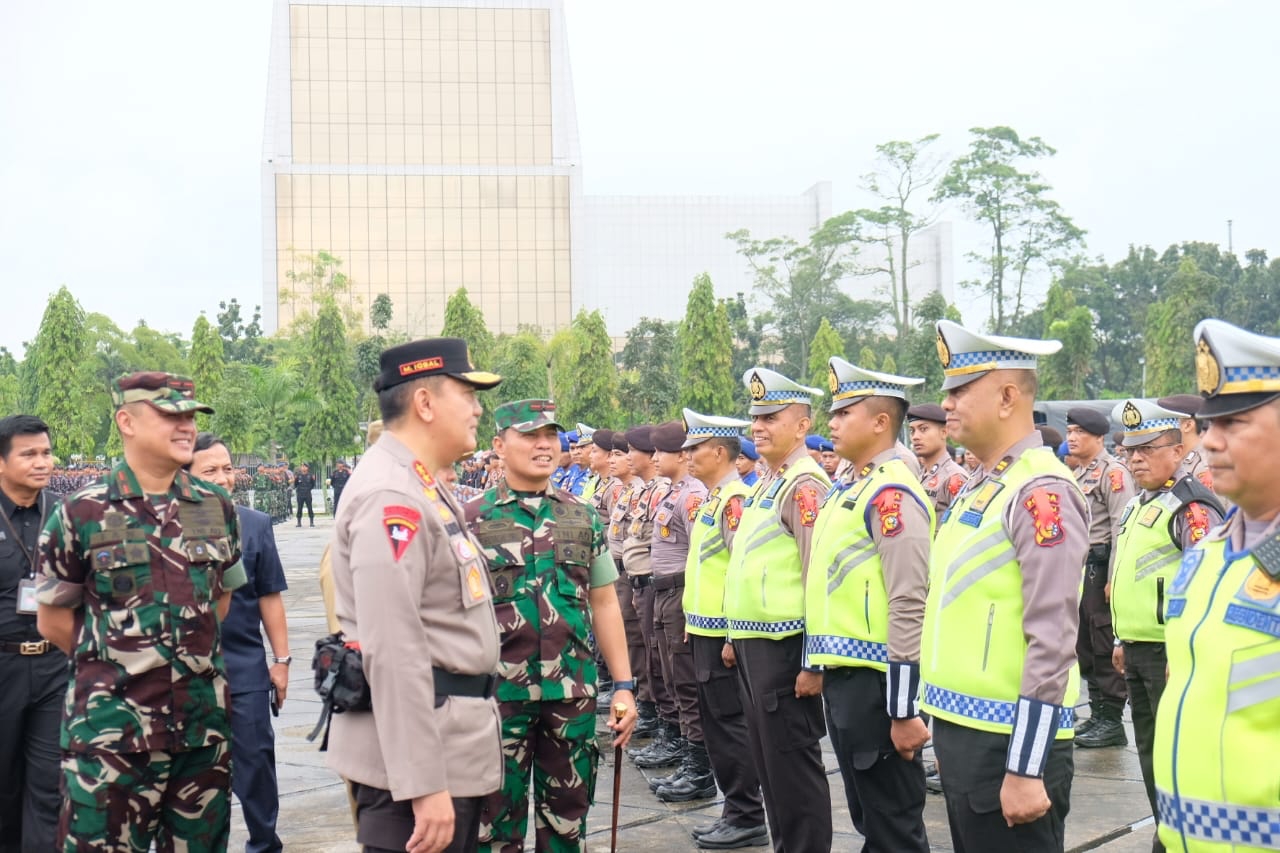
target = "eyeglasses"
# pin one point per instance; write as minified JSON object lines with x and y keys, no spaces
{"x":1148,"y":449}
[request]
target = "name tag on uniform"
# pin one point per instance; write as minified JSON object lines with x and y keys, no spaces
{"x":27,"y":597}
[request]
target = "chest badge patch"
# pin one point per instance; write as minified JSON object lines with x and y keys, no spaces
{"x":475,"y":584}
{"x":401,"y":524}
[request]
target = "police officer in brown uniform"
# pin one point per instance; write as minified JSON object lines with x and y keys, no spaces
{"x":672,"y":526}
{"x":941,"y":475}
{"x":412,"y":592}
{"x":1107,"y":487}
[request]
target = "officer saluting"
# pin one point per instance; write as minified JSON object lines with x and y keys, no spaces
{"x":1170,"y":515}
{"x":1107,"y":487}
{"x":412,"y":591}
{"x":997,"y":657}
{"x":764,"y":604}
{"x":1216,"y":733}
{"x":864,"y":606}
{"x":941,"y":474}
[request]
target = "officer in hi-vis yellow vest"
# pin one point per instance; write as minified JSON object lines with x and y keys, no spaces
{"x":864,"y":608}
{"x":1172,"y":512}
{"x":764,"y":606}
{"x":997,"y":658}
{"x":713,"y":446}
{"x":1218,"y":730}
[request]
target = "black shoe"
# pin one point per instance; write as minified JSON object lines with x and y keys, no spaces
{"x":730,"y":837}
{"x":666,"y":733}
{"x":647,"y":722}
{"x":688,"y":788}
{"x":299,"y":523}
{"x":663,"y":755}
{"x":1106,"y":732}
{"x":706,"y":828}
{"x":313,"y":524}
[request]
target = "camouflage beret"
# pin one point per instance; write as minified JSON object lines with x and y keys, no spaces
{"x":163,"y":391}
{"x":526,"y":415}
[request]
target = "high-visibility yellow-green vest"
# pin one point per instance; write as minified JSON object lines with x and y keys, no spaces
{"x":1145,"y":558}
{"x":764,"y":590}
{"x":972,"y":648}
{"x":589,"y":486}
{"x":708,"y":562}
{"x":1218,"y":728}
{"x":846,"y":606}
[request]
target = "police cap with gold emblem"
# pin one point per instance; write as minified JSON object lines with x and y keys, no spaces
{"x":430,"y":357}
{"x":585,"y":434}
{"x":1235,"y":370}
{"x":699,"y":428}
{"x":772,"y":392}
{"x":1144,"y":421}
{"x":967,"y":355}
{"x":851,"y":384}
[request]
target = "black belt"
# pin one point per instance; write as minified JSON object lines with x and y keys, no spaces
{"x":27,"y":647}
{"x":663,"y":582}
{"x":640,"y":581}
{"x":471,"y":686}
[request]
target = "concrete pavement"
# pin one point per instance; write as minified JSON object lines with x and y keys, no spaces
{"x":1108,"y":809}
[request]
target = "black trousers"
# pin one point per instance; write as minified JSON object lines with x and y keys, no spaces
{"x":30,"y":769}
{"x":1096,"y":640}
{"x":337,"y":496}
{"x":885,"y":793}
{"x":636,"y":654}
{"x":724,"y":730}
{"x":304,"y":499}
{"x":783,"y":733}
{"x":253,"y":769}
{"x":384,"y":825}
{"x":971,"y":763}
{"x":1144,"y":673}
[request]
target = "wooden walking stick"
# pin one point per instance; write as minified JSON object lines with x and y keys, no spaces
{"x":619,"y":711}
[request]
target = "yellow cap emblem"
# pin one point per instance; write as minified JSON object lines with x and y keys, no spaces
{"x":757,"y":387}
{"x":944,"y":353}
{"x":1130,"y":417}
{"x":1208,"y":372}
{"x":832,"y":380}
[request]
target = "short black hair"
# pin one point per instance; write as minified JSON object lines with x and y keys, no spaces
{"x":731,"y":445}
{"x":204,"y":440}
{"x":19,"y":425}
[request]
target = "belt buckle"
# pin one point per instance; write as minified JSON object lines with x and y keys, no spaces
{"x":33,"y":647}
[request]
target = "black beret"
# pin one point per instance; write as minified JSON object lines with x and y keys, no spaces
{"x":430,"y":357}
{"x":620,"y":442}
{"x":927,"y":412}
{"x":1188,"y":404}
{"x":603,"y":439}
{"x":640,"y":438}
{"x":1089,"y":420}
{"x":668,"y":437}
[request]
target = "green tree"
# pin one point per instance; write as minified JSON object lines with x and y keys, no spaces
{"x":1027,"y":227}
{"x":920,"y":350}
{"x":234,"y":417}
{"x":589,"y":389}
{"x":329,"y":429}
{"x":801,"y":283}
{"x":889,"y":364}
{"x":1063,"y":374}
{"x":58,"y":377}
{"x":462,"y":319}
{"x":277,"y":400}
{"x":207,"y":362}
{"x":826,"y":343}
{"x":902,"y":171}
{"x":241,"y":341}
{"x":521,"y":361}
{"x":748,"y":335}
{"x":647,"y":384}
{"x":367,"y":354}
{"x":705,"y":346}
{"x":1186,"y":299}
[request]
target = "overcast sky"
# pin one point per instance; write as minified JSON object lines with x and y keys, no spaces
{"x":131,"y":133}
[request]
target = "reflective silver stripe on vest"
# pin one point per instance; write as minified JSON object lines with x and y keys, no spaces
{"x":846,"y":561}
{"x":765,"y":534}
{"x":711,"y":546}
{"x":1002,"y":556}
{"x":1163,"y":556}
{"x":1225,"y":823}
{"x":1254,"y":692}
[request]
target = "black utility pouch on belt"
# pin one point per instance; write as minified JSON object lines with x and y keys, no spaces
{"x":339,"y":674}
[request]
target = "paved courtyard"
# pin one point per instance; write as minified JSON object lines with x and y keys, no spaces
{"x":1108,"y":810}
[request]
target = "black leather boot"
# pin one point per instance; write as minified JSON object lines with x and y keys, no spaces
{"x":665,"y":755}
{"x":696,"y":781}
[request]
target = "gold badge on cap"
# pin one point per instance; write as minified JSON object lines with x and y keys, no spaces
{"x":1208,"y":371}
{"x":1130,"y":417}
{"x":944,"y":353}
{"x":832,"y":380}
{"x":684,"y":422}
{"x":757,"y":387}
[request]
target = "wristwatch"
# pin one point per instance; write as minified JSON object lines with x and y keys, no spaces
{"x":286,"y":660}
{"x":622,"y":684}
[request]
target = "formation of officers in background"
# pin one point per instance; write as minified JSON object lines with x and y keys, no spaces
{"x":740,"y":599}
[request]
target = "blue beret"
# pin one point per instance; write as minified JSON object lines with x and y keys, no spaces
{"x":813,"y":442}
{"x":564,"y":442}
{"x":827,"y":447}
{"x":572,"y":436}
{"x":749,"y":449}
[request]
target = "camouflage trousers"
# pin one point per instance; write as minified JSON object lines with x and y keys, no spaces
{"x":555,"y":742}
{"x":125,"y":801}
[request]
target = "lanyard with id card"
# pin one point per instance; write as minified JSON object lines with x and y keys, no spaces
{"x":27,"y":586}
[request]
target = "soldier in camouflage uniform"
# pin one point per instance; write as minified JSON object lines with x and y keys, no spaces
{"x":552,"y":581}
{"x":132,"y":570}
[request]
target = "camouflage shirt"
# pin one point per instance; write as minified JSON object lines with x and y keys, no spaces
{"x":143,"y":576}
{"x":540,"y":548}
